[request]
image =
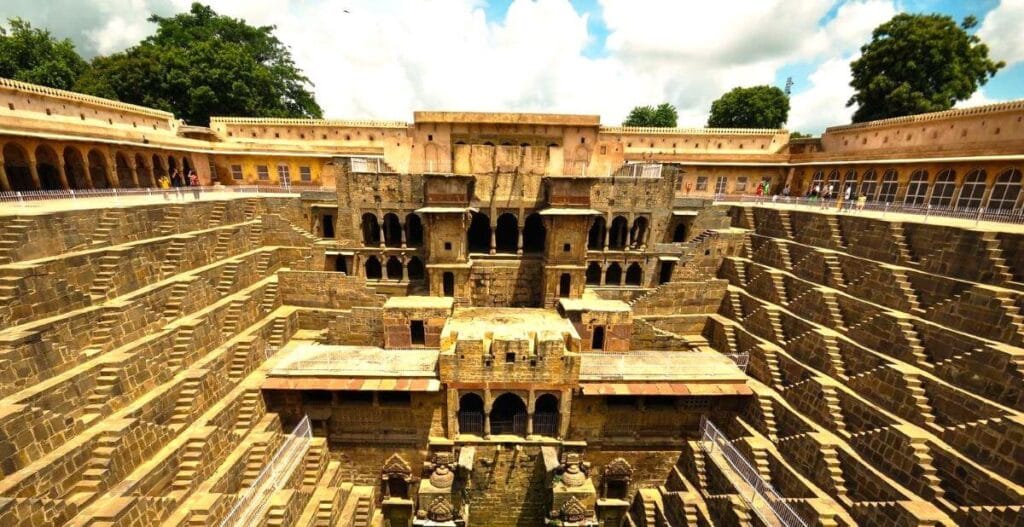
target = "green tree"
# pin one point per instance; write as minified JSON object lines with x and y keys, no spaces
{"x":916,"y":64}
{"x":753,"y":107}
{"x":200,"y":64}
{"x":664,"y":116}
{"x":799,"y":135}
{"x":34,"y":55}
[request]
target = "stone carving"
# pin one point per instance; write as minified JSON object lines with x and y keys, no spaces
{"x":573,"y":510}
{"x":619,"y":468}
{"x":396,"y":467}
{"x":441,"y":510}
{"x":574,"y":472}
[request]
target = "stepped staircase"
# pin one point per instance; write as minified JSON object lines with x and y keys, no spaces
{"x":269,"y":300}
{"x":186,"y":400}
{"x":106,"y":387}
{"x":223,"y":247}
{"x":102,"y":235}
{"x":364,"y":507}
{"x":248,"y":411}
{"x":263,"y":264}
{"x":250,"y":208}
{"x":188,"y":468}
{"x":233,"y":320}
{"x":169,"y":225}
{"x":98,"y":465}
{"x":217,"y":214}
{"x":175,"y":301}
{"x":106,"y":269}
{"x":227,"y":277}
{"x":173,"y":257}
{"x":182,"y":348}
{"x":239,"y":366}
{"x":12,"y":237}
{"x":994,"y":252}
{"x":103,"y":332}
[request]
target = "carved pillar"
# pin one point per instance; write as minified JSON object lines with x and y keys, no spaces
{"x":529,"y":423}
{"x":133,"y":167}
{"x":607,"y":232}
{"x":405,"y":267}
{"x":380,"y":228}
{"x":33,"y":170}
{"x":403,"y":235}
{"x":493,"y":241}
{"x":112,"y":178}
{"x":62,"y":173}
{"x":5,"y":185}
{"x":87,"y":171}
{"x":622,"y":275}
{"x":519,"y":241}
{"x":604,"y":273}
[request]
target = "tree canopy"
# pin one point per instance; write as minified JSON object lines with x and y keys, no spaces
{"x":916,"y":64}
{"x":664,"y":116}
{"x":753,"y":107}
{"x":33,"y":55}
{"x":200,"y":64}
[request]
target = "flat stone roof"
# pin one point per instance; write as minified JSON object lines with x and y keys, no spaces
{"x":490,"y":323}
{"x":555,"y":211}
{"x":419,"y":302}
{"x":317,"y":360}
{"x":594,"y":304}
{"x":700,"y":366}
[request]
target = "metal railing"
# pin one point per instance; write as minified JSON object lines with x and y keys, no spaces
{"x":254,"y":500}
{"x":184,"y":193}
{"x":741,"y":360}
{"x":976,"y":214}
{"x":763,"y":495}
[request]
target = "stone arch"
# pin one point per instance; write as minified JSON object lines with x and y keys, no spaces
{"x":471,"y":414}
{"x":159,"y":169}
{"x":869,"y":184}
{"x":396,"y":475}
{"x":534,"y":233}
{"x":48,"y":167}
{"x":74,"y":168}
{"x":413,"y":230}
{"x":613,"y":276}
{"x":593,"y":275}
{"x":144,"y":171}
{"x":617,"y":236}
{"x":917,"y":188}
{"x":890,"y":185}
{"x":123,"y":171}
{"x":595,"y":239}
{"x":478,"y":236}
{"x":98,"y":169}
{"x":394,"y":268}
{"x":546,"y":415}
{"x":172,"y":164}
{"x":508,"y":415}
{"x":415,"y":268}
{"x":371,"y":230}
{"x":17,"y":167}
{"x":1006,"y":190}
{"x":634,"y":274}
{"x":506,"y":233}
{"x":372,"y":268}
{"x":942,"y":191}
{"x":638,"y":234}
{"x":392,"y":230}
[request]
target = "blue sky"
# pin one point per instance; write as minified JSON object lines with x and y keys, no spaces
{"x":385,"y":59}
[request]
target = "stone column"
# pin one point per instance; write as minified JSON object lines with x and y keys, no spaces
{"x":62,"y":174}
{"x":380,"y":228}
{"x":403,"y":235}
{"x":32,"y":169}
{"x":112,"y":177}
{"x":493,"y":241}
{"x":529,"y":424}
{"x":622,"y":275}
{"x":519,"y":241}
{"x":604,"y":273}
{"x":87,"y":171}
{"x":133,"y":167}
{"x":5,"y":185}
{"x":405,"y":268}
{"x":607,"y":233}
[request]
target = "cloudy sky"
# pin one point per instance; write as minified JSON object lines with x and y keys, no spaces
{"x":385,"y":58}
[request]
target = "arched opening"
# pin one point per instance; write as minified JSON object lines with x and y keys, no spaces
{"x":1006,"y":190}
{"x":392,"y":230}
{"x":186,"y":165}
{"x":506,"y":233}
{"x":371,"y":230}
{"x":124,"y":173}
{"x":890,"y":183}
{"x":413,"y":231}
{"x":545,"y":415}
{"x":917,"y":189}
{"x":416,"y":269}
{"x":617,"y":236}
{"x":471,"y":414}
{"x":98,"y":169}
{"x":593,"y":275}
{"x":564,"y":285}
{"x":817,"y":183}
{"x":973,"y":190}
{"x":679,"y":233}
{"x":613,"y":276}
{"x":394,"y":268}
{"x":942,"y":192}
{"x":634,"y":274}
{"x":478,"y":237}
{"x":74,"y":168}
{"x":448,"y":284}
{"x":665,"y":274}
{"x":47,"y":165}
{"x":398,"y":487}
{"x":595,"y":239}
{"x":373,"y":270}
{"x":638,"y":234}
{"x":850,"y":183}
{"x":172,"y":165}
{"x":340,"y":265}
{"x":508,"y":415}
{"x":870,"y":184}
{"x":16,"y":166}
{"x":534,"y":233}
{"x":158,"y":167}
{"x":144,"y":172}
{"x":834,"y":186}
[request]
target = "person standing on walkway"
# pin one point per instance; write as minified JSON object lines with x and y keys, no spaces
{"x":193,"y":181}
{"x":176,"y":182}
{"x":165,"y":186}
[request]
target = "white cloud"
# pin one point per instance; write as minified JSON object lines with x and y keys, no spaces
{"x":1001,"y":30}
{"x":977,"y":99}
{"x":824,"y":104}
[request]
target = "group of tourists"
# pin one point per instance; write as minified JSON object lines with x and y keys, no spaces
{"x":179,"y":182}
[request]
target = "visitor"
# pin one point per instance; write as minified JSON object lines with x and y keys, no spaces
{"x":193,"y":181}
{"x":165,"y":185}
{"x":688,"y":187}
{"x":785,"y":193}
{"x":861,"y":201}
{"x":176,"y":182}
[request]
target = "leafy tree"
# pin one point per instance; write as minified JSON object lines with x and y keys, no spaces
{"x":916,"y":64}
{"x":34,"y":55}
{"x":664,"y":116}
{"x":200,"y":64}
{"x":799,"y":135}
{"x":753,"y":107}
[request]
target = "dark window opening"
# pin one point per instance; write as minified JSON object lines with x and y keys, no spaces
{"x":510,"y":357}
{"x":634,"y":274}
{"x":413,"y":231}
{"x":394,"y":268}
{"x":316,"y":397}
{"x":595,"y":239}
{"x":617,"y":489}
{"x":598,"y":339}
{"x":593,"y":275}
{"x":417,"y":332}
{"x":394,"y":398}
{"x":448,"y":284}
{"x":355,"y":398}
{"x":328,"y":225}
{"x":478,"y":237}
{"x":564,"y":285}
{"x":506,"y":234}
{"x":533,"y":234}
{"x":373,"y":269}
{"x":621,"y":401}
{"x":665,"y":276}
{"x":416,"y":270}
{"x":617,"y":237}
{"x":392,"y":231}
{"x":340,"y":265}
{"x":447,"y":246}
{"x":679,"y":234}
{"x":613,"y":276}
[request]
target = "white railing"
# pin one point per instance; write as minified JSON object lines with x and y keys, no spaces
{"x":741,"y":360}
{"x":640,"y":170}
{"x":182,"y":193}
{"x":763,"y":495}
{"x":369,"y":165}
{"x":254,"y":500}
{"x":976,"y":214}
